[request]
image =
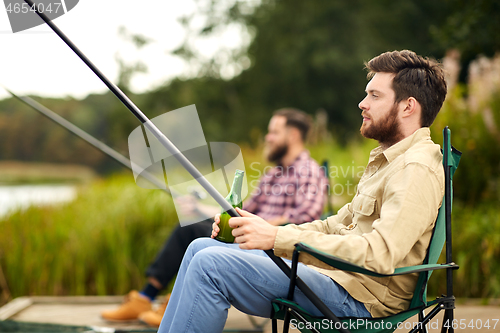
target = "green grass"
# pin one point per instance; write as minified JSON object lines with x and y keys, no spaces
{"x":99,"y":244}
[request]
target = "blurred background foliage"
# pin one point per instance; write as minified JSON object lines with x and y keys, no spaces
{"x":305,"y":54}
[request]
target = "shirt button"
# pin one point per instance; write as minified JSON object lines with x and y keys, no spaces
{"x":350,"y":226}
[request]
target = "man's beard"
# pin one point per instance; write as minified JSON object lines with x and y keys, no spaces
{"x":387,"y":131}
{"x":276,"y":155}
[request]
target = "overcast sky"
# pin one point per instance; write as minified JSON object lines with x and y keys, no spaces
{"x":37,"y":61}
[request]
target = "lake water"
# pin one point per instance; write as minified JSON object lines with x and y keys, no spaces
{"x":23,"y":196}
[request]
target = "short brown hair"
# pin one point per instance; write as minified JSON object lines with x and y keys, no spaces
{"x":418,"y":77}
{"x":296,"y":118}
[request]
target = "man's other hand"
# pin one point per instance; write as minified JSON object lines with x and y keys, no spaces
{"x":215,"y":227}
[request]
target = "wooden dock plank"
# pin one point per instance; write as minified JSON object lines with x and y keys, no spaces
{"x":85,"y":311}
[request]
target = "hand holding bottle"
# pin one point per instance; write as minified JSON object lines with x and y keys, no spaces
{"x":249,"y":230}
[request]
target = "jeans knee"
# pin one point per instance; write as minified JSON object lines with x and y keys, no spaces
{"x":200,"y":263}
{"x":199,"y":244}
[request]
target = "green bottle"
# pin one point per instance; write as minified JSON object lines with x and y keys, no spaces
{"x":234,"y":198}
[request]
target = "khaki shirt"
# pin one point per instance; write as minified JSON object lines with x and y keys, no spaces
{"x":387,"y":225}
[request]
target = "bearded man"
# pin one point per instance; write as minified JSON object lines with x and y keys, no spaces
{"x":387,"y":225}
{"x":294,"y":191}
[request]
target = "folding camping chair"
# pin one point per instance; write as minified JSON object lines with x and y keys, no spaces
{"x":329,"y":207}
{"x":285,"y":309}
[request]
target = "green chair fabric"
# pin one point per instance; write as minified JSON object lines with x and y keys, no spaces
{"x":305,"y":322}
{"x":328,"y":211}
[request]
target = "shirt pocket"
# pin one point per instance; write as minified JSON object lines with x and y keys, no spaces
{"x":364,"y":204}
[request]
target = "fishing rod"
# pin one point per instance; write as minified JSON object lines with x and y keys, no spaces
{"x":148,"y":124}
{"x":182,"y":160}
{"x":89,"y":138}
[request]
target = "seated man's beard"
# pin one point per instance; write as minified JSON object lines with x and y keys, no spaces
{"x":277,"y":154}
{"x":387,"y":131}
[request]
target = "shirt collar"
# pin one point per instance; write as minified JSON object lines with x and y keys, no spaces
{"x":402,"y":146}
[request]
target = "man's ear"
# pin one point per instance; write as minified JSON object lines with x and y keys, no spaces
{"x":293,"y":134}
{"x":411,"y":107}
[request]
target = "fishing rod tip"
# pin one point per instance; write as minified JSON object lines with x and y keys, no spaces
{"x":6,"y":89}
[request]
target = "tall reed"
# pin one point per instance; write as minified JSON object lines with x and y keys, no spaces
{"x":98,"y":244}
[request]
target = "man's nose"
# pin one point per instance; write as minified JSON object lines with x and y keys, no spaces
{"x":362,"y":105}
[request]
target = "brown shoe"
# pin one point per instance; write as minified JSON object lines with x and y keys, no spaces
{"x":131,"y":308}
{"x":153,"y":318}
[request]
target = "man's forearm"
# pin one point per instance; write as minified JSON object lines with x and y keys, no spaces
{"x":278,"y":221}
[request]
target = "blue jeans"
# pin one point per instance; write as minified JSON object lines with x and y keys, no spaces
{"x":214,"y":275}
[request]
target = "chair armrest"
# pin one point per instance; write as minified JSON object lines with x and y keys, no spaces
{"x":347,"y":266}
